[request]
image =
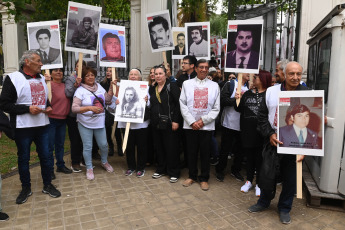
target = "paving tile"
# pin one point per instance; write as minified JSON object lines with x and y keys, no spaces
{"x":114,"y":201}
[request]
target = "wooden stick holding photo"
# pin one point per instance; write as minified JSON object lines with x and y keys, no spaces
{"x":113,"y":77}
{"x":239,"y":87}
{"x":165,"y":59}
{"x":251,"y":78}
{"x":49,"y":86}
{"x":125,"y":139}
{"x":80,"y":64}
{"x":299,"y":177}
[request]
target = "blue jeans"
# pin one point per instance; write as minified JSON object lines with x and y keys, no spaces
{"x":86,"y":135}
{"x":57,"y":133}
{"x":24,"y":138}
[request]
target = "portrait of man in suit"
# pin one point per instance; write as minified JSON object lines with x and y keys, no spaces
{"x":180,"y":47}
{"x":49,"y":55}
{"x":298,"y":135}
{"x":244,"y":56}
{"x":112,"y":47}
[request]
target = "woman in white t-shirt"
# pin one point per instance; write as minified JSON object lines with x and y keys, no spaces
{"x":88,"y":102}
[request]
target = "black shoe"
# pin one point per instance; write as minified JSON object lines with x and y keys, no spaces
{"x":119,"y":152}
{"x":111,"y":152}
{"x":23,"y":195}
{"x":52,"y":175}
{"x":64,"y":170}
{"x":285,"y":217}
{"x":237,"y":175}
{"x":4,"y":216}
{"x":220,"y":177}
{"x":213,"y":161}
{"x":51,"y":190}
{"x":256,"y":208}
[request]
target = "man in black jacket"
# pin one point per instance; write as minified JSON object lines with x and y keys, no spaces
{"x":267,"y":124}
{"x":24,"y":97}
{"x":188,"y":66}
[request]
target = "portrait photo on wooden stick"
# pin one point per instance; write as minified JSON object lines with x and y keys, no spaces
{"x":82,"y":28}
{"x":301,"y":122}
{"x":45,"y":38}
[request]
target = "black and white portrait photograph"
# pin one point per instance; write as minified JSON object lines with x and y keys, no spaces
{"x":160,"y":32}
{"x":301,"y":122}
{"x":82,"y":28}
{"x":112,"y":45}
{"x":179,"y":40}
{"x":243,"y":46}
{"x":198,"y":36}
{"x":45,"y":38}
{"x":132,"y":104}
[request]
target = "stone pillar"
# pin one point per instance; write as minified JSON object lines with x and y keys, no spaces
{"x":141,"y":54}
{"x":10,"y":42}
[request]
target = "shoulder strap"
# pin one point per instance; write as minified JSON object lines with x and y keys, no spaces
{"x":231,"y":86}
{"x":97,"y":99}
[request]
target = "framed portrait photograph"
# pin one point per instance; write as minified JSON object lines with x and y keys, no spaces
{"x":243,"y":46}
{"x":112,"y":45}
{"x":160,"y":32}
{"x":301,"y":122}
{"x":179,"y":39}
{"x":132,"y":104}
{"x":198,"y":39}
{"x":82,"y":28}
{"x":45,"y":38}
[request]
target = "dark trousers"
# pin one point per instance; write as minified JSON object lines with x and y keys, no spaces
{"x":137,"y":138}
{"x":108,"y":130}
{"x":24,"y":138}
{"x":230,"y":142}
{"x":74,"y":137}
{"x":288,"y":174}
{"x":151,"y":147}
{"x":168,"y":158}
{"x":198,"y":140}
{"x":254,"y":160}
{"x":57,"y":133}
{"x":118,"y":138}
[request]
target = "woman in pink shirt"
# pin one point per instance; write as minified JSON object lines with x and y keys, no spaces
{"x":57,"y":129}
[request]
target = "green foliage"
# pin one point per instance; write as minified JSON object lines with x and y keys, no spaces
{"x":195,"y":10}
{"x":218,"y":24}
{"x":51,"y":9}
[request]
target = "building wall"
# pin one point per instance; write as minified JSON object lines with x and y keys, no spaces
{"x":312,"y":12}
{"x":142,"y":56}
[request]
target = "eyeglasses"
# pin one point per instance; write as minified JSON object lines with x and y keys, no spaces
{"x":203,"y":67}
{"x":185,"y":63}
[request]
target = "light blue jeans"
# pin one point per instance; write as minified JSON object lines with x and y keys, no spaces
{"x":86,"y":135}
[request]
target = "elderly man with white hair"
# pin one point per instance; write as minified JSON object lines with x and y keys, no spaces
{"x":25,"y":98}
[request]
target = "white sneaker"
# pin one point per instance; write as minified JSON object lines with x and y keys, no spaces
{"x":248,"y":185}
{"x":257,"y":190}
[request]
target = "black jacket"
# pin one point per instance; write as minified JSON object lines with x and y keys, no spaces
{"x":170,"y":96}
{"x":184,"y":77}
{"x":270,"y":160}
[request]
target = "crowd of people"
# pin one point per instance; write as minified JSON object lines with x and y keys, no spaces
{"x":182,"y":116}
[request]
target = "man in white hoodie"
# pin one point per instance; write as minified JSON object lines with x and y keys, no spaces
{"x":200,"y":105}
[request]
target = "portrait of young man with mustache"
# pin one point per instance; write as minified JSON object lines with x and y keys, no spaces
{"x":199,"y":47}
{"x":244,"y":56}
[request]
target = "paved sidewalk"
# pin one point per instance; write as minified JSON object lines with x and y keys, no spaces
{"x":114,"y":201}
